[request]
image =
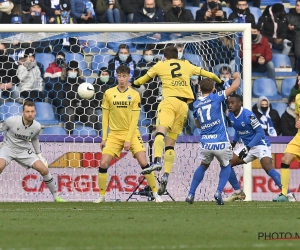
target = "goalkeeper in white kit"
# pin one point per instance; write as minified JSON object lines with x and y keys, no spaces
{"x":15,"y":146}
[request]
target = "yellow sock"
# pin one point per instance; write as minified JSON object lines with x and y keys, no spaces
{"x":151,"y":181}
{"x":159,"y":144}
{"x":285,"y":180}
{"x":169,"y":159}
{"x":102,"y":180}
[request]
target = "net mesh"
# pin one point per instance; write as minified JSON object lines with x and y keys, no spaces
{"x":72,"y":126}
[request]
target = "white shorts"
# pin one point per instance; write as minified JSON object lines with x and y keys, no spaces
{"x":25,"y":158}
{"x":222,"y":151}
{"x":257,"y":152}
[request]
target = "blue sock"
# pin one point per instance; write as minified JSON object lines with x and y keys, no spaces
{"x":223,"y":177}
{"x":197,"y":178}
{"x":276,"y":178}
{"x":233,"y":180}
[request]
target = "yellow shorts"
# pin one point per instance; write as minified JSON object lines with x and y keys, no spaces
{"x":294,"y":147}
{"x":115,"y":143}
{"x":172,"y":113}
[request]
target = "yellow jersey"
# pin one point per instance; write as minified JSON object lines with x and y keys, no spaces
{"x":120,"y":106}
{"x":297,"y":106}
{"x":175,"y":75}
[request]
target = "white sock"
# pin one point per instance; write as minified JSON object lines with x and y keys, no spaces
{"x":48,"y":179}
{"x":237,"y":191}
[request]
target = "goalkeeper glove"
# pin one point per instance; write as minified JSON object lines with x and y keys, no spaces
{"x":135,"y":86}
{"x":244,"y":152}
{"x":43,"y":160}
{"x":233,"y":144}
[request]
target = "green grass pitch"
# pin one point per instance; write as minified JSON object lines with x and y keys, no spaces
{"x":146,"y":225}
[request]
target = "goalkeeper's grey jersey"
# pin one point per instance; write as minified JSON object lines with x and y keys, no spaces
{"x":18,"y":135}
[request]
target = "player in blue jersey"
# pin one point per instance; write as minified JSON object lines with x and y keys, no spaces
{"x":214,"y":140}
{"x":256,"y":145}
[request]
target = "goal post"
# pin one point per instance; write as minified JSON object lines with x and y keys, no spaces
{"x":165,"y":27}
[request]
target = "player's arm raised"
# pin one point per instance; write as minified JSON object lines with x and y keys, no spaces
{"x":210,"y":75}
{"x":145,"y":78}
{"x":136,"y":110}
{"x":235,"y":84}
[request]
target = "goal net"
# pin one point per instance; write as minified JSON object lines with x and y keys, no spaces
{"x":72,"y":127}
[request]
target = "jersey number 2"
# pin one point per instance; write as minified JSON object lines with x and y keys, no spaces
{"x":208,"y":117}
{"x":173,"y":71}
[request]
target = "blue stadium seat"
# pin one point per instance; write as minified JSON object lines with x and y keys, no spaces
{"x":136,"y":57}
{"x":9,"y":109}
{"x":256,"y":12}
{"x":83,"y":130}
{"x":99,"y":61}
{"x":269,"y":2}
{"x":54,"y":131}
{"x":194,"y":59}
{"x":115,"y":46}
{"x":231,"y":131}
{"x":93,"y":46}
{"x":280,"y":107}
{"x":81,"y":62}
{"x":265,"y":87}
{"x":282,"y":60}
{"x":286,"y":86}
{"x":227,"y":10}
{"x":144,"y":131}
{"x":193,"y":10}
{"x":45,"y":59}
{"x":90,"y":80}
{"x":197,"y":132}
{"x":45,"y":114}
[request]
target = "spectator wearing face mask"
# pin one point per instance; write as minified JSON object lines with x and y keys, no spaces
{"x":288,"y":119}
{"x":149,"y":13}
{"x":267,"y":116}
{"x":241,"y":14}
{"x":122,"y":57}
{"x":56,"y":68}
{"x":178,"y":13}
{"x":274,"y":26}
{"x":6,"y":7}
{"x":31,"y":83}
{"x":37,"y":15}
{"x":211,"y":11}
{"x":296,"y":88}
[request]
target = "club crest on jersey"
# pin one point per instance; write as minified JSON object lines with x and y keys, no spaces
{"x":129,"y":98}
{"x":31,"y":132}
{"x":243,"y":124}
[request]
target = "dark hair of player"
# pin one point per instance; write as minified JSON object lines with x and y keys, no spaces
{"x":171,"y":52}
{"x":29,"y":104}
{"x":123,"y":69}
{"x":238,"y":97}
{"x":207,"y":85}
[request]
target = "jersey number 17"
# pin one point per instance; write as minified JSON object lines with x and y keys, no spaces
{"x":202,"y":110}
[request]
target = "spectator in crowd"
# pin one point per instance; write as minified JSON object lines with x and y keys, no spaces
{"x":25,"y":6}
{"x":288,"y":119}
{"x":261,"y":54}
{"x":31,"y":83}
{"x":211,"y":11}
{"x":180,"y":49}
{"x":101,"y":84}
{"x":75,"y":108}
{"x":37,"y":15}
{"x":52,"y":8}
{"x":274,"y":26}
{"x":233,"y":4}
{"x":56,"y":68}
{"x":293,"y":19}
{"x":149,"y":13}
{"x":8,"y":75}
{"x":6,"y":7}
{"x":267,"y":116}
{"x":122,"y":57}
{"x":165,"y":5}
{"x":108,"y":11}
{"x":241,"y":14}
{"x":178,"y":13}
{"x":296,"y":88}
{"x":83,"y":10}
{"x":149,"y":92}
{"x":130,"y":7}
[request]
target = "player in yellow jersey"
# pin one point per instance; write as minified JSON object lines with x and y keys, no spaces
{"x":292,"y":152}
{"x":172,"y":112}
{"x":121,"y":108}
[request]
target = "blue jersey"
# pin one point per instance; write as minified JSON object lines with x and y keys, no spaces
{"x":245,"y":124}
{"x":209,"y":112}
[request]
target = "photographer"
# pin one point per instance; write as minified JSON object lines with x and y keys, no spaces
{"x":211,"y":11}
